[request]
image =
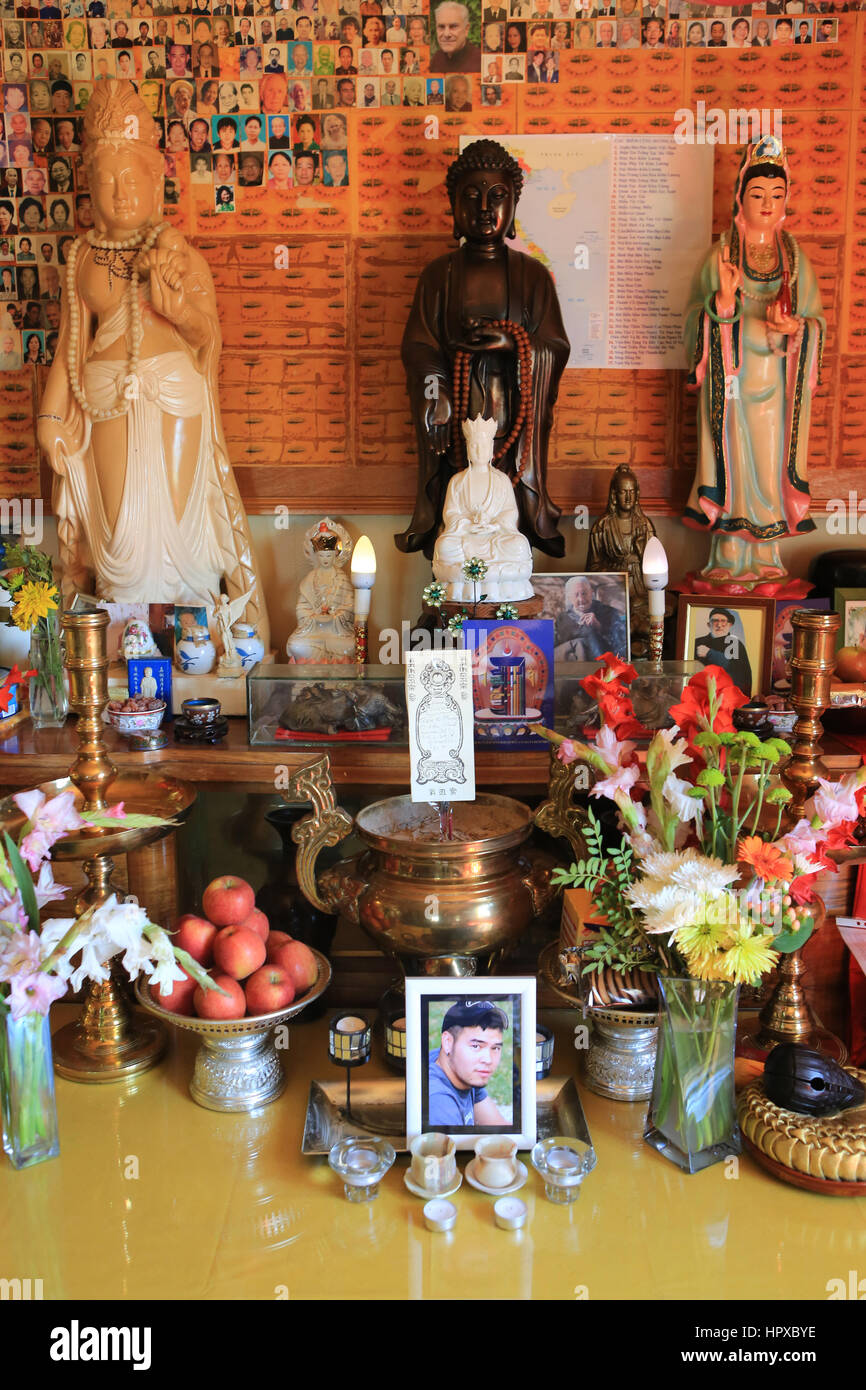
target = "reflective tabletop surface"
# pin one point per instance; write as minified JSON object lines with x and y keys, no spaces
{"x":154,"y":1197}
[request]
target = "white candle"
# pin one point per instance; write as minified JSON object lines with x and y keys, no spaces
{"x":510,"y":1213}
{"x":350,"y":1024}
{"x":399,"y":1025}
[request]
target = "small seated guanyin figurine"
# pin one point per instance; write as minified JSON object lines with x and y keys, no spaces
{"x":480,"y":522}
{"x":326,"y":603}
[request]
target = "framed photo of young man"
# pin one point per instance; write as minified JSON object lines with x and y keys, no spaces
{"x":470,"y":1058}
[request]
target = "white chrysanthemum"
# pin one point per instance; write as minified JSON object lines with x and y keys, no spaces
{"x":665,"y":907}
{"x":702,"y":874}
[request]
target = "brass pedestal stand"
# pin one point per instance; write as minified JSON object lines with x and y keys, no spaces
{"x":109,"y":1041}
{"x":787,"y":1016}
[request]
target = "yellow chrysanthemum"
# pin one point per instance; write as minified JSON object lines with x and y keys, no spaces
{"x":748,"y":957}
{"x":702,"y":941}
{"x":32,"y":602}
{"x":706,"y":967}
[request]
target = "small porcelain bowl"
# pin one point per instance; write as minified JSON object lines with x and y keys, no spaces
{"x":144,"y":721}
{"x":201,"y":711}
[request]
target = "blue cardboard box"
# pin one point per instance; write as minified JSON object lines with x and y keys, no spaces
{"x":150,"y":675}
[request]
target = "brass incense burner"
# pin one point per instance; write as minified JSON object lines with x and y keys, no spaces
{"x":440,"y":906}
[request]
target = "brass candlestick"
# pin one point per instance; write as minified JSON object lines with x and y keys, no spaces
{"x":787,"y":1017}
{"x":108,"y":1041}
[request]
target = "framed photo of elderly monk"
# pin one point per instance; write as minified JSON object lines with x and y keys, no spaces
{"x":733,"y":633}
{"x":590,"y":614}
{"x":470,"y":1058}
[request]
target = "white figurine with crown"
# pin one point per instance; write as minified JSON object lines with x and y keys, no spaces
{"x":326,"y":602}
{"x":480,"y":522}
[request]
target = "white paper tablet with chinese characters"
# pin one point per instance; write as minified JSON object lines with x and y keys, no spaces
{"x":440,"y":716}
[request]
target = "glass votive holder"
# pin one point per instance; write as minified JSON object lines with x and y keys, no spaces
{"x":563,"y":1163}
{"x":362,"y":1164}
{"x":349,"y":1039}
{"x":543,"y":1050}
{"x":395,"y":1043}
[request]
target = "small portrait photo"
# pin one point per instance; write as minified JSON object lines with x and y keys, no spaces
{"x":803,"y":31}
{"x":228,"y":97}
{"x":458,"y":92}
{"x":590,"y":614}
{"x":372,"y":31}
{"x":200,"y":168}
{"x":491,"y":70}
{"x":280,"y":172}
{"x":368,"y":62}
{"x":225,"y":133}
{"x":10,"y":350}
{"x":60,"y":177}
{"x":8,"y":283}
{"x":8,"y":222}
{"x":491,"y":95}
{"x":470,"y":1058}
{"x":300,"y":59}
{"x":300,"y":94}
{"x":273,"y":57}
{"x":248,"y":94}
{"x":826,"y":30}
{"x":740,"y":33}
{"x":15,"y":97}
{"x":171,"y":190}
{"x":515,"y":67}
{"x":178,"y":61}
{"x":223,"y":167}
{"x":31,"y":218}
{"x":492,"y":38}
{"x":515,"y":37}
{"x":279,"y":135}
{"x":34,"y":181}
{"x":34,"y":349}
{"x":49,"y":282}
{"x":60,"y":217}
{"x":15,"y":65}
{"x":717,"y":33}
{"x":224,"y":198}
{"x":391,"y":91}
{"x":180,"y":98}
{"x":417,"y":31}
{"x":305,"y":133}
{"x":204,"y":61}
{"x":605,"y":33}
{"x":42,"y":135}
{"x":46,"y":250}
{"x":250,"y":64}
{"x":176,"y":140}
{"x":783,"y":31}
{"x":561,"y":36}
{"x":199,"y":135}
{"x":82,"y":92}
{"x":252,"y":129}
{"x":652,"y":33}
{"x":334,"y":131}
{"x":585,"y":34}
{"x":250,"y":169}
{"x":223,"y":35}
{"x":368,"y":91}
{"x":7,"y":249}
{"x":346,"y":92}
{"x":696,"y":34}
{"x":735,"y":635}
{"x":435,"y":91}
{"x":335,"y":169}
{"x":307,"y":169}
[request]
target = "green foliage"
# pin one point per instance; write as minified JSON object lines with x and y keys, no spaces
{"x":24,"y":882}
{"x":792,"y":941}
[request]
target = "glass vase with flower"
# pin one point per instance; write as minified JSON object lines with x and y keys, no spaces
{"x":28,"y":576}
{"x":702,"y":884}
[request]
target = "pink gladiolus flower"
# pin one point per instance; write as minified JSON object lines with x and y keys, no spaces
{"x":12,"y":909}
{"x":566,"y":752}
{"x":34,"y":993}
{"x":116,"y":810}
{"x":621,"y":779}
{"x":46,"y":890}
{"x":50,"y":820}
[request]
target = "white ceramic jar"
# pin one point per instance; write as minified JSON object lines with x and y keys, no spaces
{"x":250,"y":647}
{"x":196,"y":653}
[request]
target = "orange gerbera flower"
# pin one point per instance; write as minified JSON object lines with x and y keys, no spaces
{"x":768,"y":861}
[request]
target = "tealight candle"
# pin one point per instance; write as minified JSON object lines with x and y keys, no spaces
{"x":510,"y":1213}
{"x":440,"y":1215}
{"x":350,"y":1024}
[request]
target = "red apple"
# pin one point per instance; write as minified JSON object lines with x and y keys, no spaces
{"x":196,"y":935}
{"x":276,"y":939}
{"x":257,"y":922}
{"x":300,"y":963}
{"x":211,"y":1004}
{"x":228,"y":900}
{"x":851,"y":665}
{"x":179,"y":998}
{"x":268,"y":989}
{"x":238,"y":951}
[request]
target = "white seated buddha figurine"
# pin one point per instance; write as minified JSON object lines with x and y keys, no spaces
{"x":480,"y":522}
{"x":326,"y":603}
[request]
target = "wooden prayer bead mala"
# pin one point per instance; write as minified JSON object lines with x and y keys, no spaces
{"x":525,"y":414}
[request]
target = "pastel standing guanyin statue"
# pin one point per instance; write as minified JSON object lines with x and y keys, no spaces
{"x":754,"y":332}
{"x":480,"y":521}
{"x":144,"y":494}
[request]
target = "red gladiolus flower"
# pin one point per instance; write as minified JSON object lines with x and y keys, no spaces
{"x":692,"y":714}
{"x":619,"y":670}
{"x":802,"y":890}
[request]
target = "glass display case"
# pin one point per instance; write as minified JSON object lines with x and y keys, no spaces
{"x":306,"y":705}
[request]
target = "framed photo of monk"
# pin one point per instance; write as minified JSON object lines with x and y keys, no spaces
{"x":735,"y":634}
{"x":470,"y":1058}
{"x":590,"y":614}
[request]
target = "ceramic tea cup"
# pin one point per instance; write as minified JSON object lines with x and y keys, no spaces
{"x":433,"y":1165}
{"x":495,"y":1156}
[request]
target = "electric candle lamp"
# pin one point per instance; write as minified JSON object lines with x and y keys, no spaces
{"x":655,"y":575}
{"x":363,"y":571}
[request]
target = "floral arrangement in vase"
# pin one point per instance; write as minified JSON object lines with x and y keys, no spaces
{"x":40,"y":960}
{"x":28,"y":575}
{"x":702,"y":885}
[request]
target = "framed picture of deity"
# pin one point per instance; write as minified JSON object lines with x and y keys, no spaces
{"x":735,"y":634}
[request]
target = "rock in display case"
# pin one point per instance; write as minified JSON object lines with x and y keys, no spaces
{"x":305,"y":704}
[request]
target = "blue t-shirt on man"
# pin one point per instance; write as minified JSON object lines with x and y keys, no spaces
{"x":447,"y":1103}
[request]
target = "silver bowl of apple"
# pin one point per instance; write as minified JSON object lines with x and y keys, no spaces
{"x":238,"y":1065}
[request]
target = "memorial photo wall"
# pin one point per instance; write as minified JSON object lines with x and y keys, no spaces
{"x":305,"y":155}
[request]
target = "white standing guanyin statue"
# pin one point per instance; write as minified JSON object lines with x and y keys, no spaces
{"x":145,"y":496}
{"x":480,"y":522}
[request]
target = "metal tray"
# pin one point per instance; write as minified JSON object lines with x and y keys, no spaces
{"x":379,"y":1107}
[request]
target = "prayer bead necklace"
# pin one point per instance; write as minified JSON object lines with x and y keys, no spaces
{"x":525,"y":413}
